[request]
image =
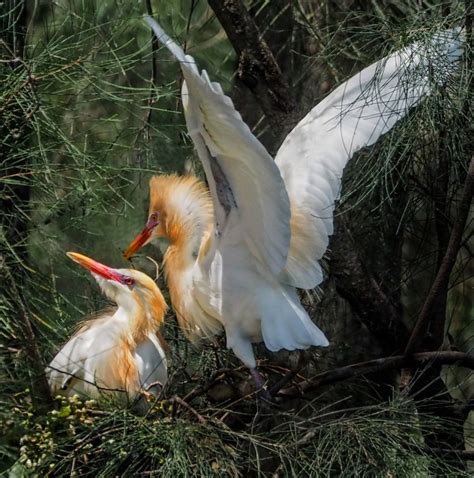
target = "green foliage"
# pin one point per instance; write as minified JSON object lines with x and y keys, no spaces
{"x":78,"y":439}
{"x":84,"y":126}
{"x":98,"y":126}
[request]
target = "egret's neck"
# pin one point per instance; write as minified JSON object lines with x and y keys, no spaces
{"x":188,"y":225}
{"x":135,"y":319}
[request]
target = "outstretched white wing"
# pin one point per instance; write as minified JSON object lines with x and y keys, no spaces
{"x":354,"y":115}
{"x":242,"y":176}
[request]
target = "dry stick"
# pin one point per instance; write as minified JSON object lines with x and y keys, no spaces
{"x":442,"y":278}
{"x":273,"y":391}
{"x":287,"y":378}
{"x":377,"y":365}
{"x":258,"y":68}
{"x":188,"y":407}
{"x":216,"y":377}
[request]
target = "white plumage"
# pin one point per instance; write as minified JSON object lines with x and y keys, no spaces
{"x":353,"y":116}
{"x":271,"y":220}
{"x":118,"y":353}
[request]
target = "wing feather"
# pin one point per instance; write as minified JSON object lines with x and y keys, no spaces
{"x":249,"y":181}
{"x":354,"y":115}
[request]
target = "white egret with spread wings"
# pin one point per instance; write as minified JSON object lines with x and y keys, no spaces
{"x":241,"y":247}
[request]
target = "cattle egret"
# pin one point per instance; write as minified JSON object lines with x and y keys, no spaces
{"x":120,"y":352}
{"x":240,"y":249}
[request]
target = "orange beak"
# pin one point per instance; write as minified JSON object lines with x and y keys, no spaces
{"x":94,"y":266}
{"x":143,"y":238}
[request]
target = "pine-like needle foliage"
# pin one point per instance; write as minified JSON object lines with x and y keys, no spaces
{"x":88,"y":111}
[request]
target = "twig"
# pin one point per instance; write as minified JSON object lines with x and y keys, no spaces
{"x":283,"y":381}
{"x":442,"y":278}
{"x":157,"y":267}
{"x":356,"y":284}
{"x":215,"y":377}
{"x":180,"y":401}
{"x":289,"y":376}
{"x":385,"y":363}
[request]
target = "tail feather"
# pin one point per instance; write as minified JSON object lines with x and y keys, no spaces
{"x":286,"y":325}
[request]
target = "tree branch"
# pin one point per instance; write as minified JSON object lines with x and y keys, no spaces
{"x":258,"y":68}
{"x":442,"y":278}
{"x":357,"y":285}
{"x":180,"y":401}
{"x":377,"y":365}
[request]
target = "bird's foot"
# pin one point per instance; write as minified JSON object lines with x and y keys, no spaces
{"x":260,"y":385}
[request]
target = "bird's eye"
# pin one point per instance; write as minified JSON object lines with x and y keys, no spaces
{"x":154,"y":216}
{"x":129,"y":281}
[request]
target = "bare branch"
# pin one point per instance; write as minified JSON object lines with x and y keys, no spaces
{"x":442,"y":278}
{"x":180,"y":401}
{"x":377,"y":365}
{"x":357,"y":285}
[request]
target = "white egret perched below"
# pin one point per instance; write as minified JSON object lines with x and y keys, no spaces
{"x":120,"y":351}
{"x":240,"y":248}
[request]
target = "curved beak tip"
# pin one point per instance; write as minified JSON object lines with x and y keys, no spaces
{"x":143,"y":238}
{"x":81,"y":259}
{"x":75,"y":256}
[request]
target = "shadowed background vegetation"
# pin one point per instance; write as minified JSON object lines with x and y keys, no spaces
{"x":89,"y":110}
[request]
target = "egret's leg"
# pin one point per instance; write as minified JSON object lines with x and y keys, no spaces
{"x":258,"y":379}
{"x":242,"y":347}
{"x":260,"y":385}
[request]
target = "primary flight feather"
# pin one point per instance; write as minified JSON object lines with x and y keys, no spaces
{"x":240,"y":248}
